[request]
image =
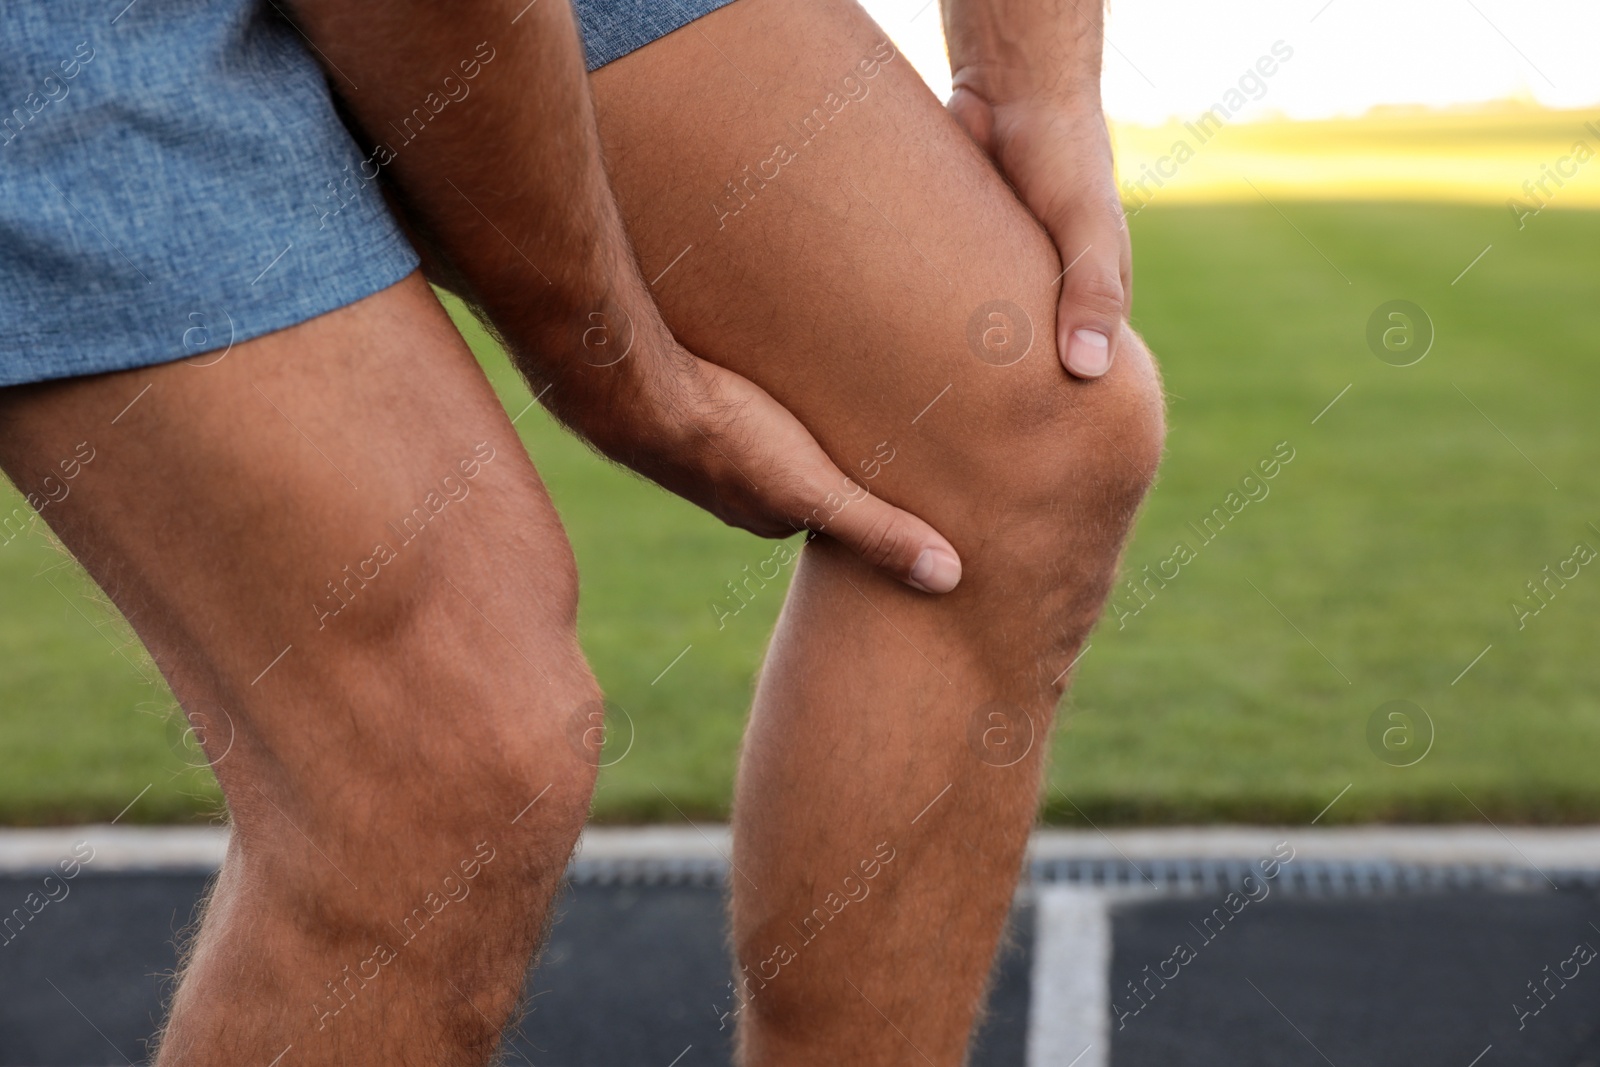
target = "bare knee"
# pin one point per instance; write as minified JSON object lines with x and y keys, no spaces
{"x":440,"y":713}
{"x":1038,"y":491}
{"x":426,"y":838}
{"x":1095,"y":444}
{"x":413,"y":788}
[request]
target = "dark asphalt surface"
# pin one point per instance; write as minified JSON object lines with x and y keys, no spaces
{"x":636,"y":975}
{"x":1399,"y":981}
{"x":632,"y":975}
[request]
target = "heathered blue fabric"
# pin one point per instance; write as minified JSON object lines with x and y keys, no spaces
{"x":613,"y":28}
{"x":173,"y":180}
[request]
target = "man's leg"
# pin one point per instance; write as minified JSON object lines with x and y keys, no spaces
{"x":336,"y":549}
{"x":814,"y":220}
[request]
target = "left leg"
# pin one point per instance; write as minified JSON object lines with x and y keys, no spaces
{"x":833,"y":236}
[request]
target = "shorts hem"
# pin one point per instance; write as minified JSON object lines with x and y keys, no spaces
{"x":330,"y":295}
{"x":618,"y":35}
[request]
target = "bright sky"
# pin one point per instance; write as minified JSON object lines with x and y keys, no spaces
{"x":1174,"y":58}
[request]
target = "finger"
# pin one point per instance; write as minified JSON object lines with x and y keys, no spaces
{"x":766,"y":446}
{"x":894,"y":541}
{"x":1093,"y":293}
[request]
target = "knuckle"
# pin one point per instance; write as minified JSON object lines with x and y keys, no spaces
{"x":883,"y":543}
{"x":1111,"y":212}
{"x":1098,"y":291}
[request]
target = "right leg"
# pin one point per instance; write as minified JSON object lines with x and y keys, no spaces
{"x":335,"y":547}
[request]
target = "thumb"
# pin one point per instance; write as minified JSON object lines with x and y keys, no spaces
{"x":895,"y":542}
{"x":1093,"y":296}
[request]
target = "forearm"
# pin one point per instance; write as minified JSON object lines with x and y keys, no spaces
{"x":1042,"y":51}
{"x":506,"y":184}
{"x":485,"y":130}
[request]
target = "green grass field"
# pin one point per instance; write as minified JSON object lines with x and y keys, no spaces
{"x":1385,"y":558}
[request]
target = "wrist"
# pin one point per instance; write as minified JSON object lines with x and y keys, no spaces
{"x":1006,"y":87}
{"x":1024,"y":134}
{"x":1018,"y":51}
{"x":603,"y":363}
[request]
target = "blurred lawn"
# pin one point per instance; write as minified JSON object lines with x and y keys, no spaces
{"x":1395,"y":542}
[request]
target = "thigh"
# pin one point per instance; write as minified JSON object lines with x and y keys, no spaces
{"x":296,"y":527}
{"x":810,"y":216}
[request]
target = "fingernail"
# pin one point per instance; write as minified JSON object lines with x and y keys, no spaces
{"x":936,"y":571}
{"x":1088,"y":353}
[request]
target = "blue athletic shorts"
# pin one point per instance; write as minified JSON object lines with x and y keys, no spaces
{"x":174,"y":180}
{"x":613,"y":28}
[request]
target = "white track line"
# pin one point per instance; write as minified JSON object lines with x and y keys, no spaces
{"x":145,"y":848}
{"x":1069,"y":1013}
{"x":1544,"y":846}
{"x":116,"y":848}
